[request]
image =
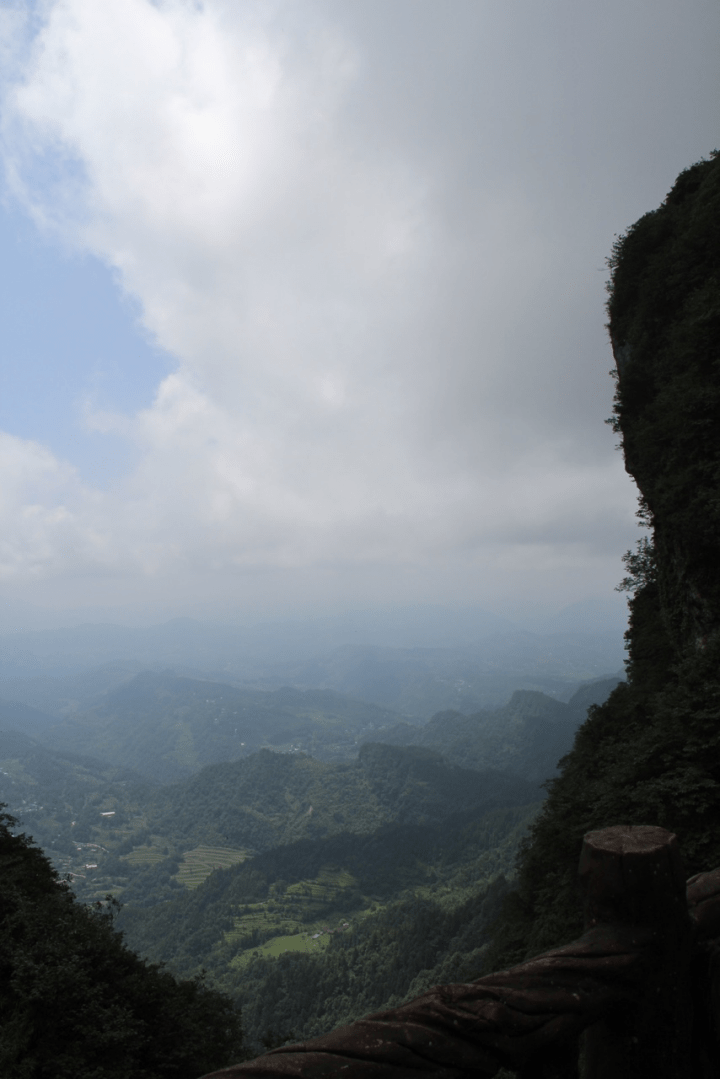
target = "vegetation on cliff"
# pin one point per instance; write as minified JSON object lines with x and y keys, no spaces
{"x":650,"y":754}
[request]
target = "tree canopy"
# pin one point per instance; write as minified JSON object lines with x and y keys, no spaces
{"x":76,"y":1003}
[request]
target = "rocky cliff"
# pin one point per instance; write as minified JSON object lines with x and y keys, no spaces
{"x":651,"y":753}
{"x":665,"y":330}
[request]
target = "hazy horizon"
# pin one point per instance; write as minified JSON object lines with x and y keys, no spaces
{"x":590,"y":614}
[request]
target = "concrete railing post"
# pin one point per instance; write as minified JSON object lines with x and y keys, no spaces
{"x":632,"y":876}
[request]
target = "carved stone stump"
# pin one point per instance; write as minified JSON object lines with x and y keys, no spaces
{"x":632,"y":876}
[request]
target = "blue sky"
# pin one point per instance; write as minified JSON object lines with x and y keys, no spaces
{"x":303,"y":301}
{"x":69,"y":336}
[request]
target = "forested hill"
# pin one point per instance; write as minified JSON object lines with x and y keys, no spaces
{"x":15,"y":716}
{"x":116,"y":832}
{"x":525,"y":738}
{"x":273,"y":799}
{"x":649,"y":755}
{"x":166,"y":727}
{"x":322,"y":931}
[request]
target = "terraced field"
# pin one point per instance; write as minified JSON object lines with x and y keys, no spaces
{"x":301,"y":917}
{"x":146,"y":855}
{"x":199,"y":863}
{"x":329,"y":885}
{"x":265,"y":920}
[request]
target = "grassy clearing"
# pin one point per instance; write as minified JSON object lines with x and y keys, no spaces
{"x":302,"y":919}
{"x":296,"y":914}
{"x":258,"y":919}
{"x":297,"y":942}
{"x":199,"y":863}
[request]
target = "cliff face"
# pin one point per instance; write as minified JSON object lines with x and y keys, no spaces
{"x":651,"y":753}
{"x":665,"y":330}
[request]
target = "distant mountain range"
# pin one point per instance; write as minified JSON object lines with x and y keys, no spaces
{"x":93,"y":777}
{"x":415,"y":660}
{"x":527,"y":737}
{"x":166,"y":727}
{"x":418,"y":682}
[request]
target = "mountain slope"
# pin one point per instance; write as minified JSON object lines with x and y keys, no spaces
{"x":61,"y":796}
{"x":166,"y":727}
{"x":273,"y":799}
{"x":15,"y":716}
{"x":75,"y":1001}
{"x":116,"y":832}
{"x":527,"y":737}
{"x":407,"y":904}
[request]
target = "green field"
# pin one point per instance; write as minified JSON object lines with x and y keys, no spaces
{"x":199,"y":863}
{"x":299,"y":917}
{"x":297,"y":942}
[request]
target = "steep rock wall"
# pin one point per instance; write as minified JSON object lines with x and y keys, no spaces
{"x":651,"y":753}
{"x":665,"y":330}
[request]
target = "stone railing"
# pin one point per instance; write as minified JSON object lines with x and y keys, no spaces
{"x":640,"y":988}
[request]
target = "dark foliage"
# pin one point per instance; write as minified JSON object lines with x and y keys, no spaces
{"x":388,"y":958}
{"x":76,"y":1003}
{"x":664,"y":309}
{"x":272,"y":799}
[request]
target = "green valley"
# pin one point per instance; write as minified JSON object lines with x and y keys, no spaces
{"x":325,"y":913}
{"x":275,"y":870}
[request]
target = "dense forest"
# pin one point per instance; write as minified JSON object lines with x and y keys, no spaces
{"x":76,"y":1003}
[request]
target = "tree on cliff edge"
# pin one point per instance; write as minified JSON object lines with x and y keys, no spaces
{"x":651,"y":753}
{"x":75,"y":1003}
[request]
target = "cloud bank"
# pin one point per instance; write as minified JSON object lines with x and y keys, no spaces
{"x":372,"y":237}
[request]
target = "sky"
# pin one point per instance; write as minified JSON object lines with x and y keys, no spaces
{"x":303,"y":300}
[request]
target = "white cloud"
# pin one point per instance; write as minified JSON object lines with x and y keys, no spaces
{"x":46,"y":516}
{"x":387,"y":351}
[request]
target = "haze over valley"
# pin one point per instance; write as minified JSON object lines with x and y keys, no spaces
{"x":296,"y":815}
